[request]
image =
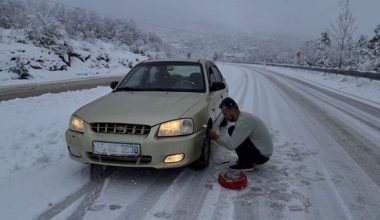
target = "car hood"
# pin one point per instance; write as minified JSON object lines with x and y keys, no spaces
{"x":148,"y":108}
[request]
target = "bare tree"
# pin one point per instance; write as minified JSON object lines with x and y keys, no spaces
{"x":343,"y":31}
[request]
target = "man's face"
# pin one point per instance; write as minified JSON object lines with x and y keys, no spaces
{"x":228,"y":113}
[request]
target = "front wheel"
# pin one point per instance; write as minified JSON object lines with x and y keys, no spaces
{"x":97,"y":172}
{"x":204,"y":160}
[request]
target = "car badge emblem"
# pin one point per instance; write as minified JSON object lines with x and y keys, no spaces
{"x":120,"y":128}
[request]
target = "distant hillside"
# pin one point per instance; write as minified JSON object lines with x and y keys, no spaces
{"x":38,"y":36}
{"x":223,"y":43}
{"x":234,"y":45}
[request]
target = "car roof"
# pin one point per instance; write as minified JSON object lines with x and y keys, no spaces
{"x":201,"y":61}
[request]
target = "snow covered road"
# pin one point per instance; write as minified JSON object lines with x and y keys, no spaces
{"x":326,"y":163}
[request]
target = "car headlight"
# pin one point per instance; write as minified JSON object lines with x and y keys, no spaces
{"x":76,"y":124}
{"x":176,"y":128}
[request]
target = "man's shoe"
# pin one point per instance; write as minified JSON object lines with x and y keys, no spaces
{"x":241,"y":167}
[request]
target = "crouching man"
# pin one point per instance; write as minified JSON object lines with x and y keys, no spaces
{"x":249,"y":137}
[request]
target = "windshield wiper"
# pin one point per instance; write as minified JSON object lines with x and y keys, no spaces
{"x":163,"y":89}
{"x":149,"y":89}
{"x":127,"y":89}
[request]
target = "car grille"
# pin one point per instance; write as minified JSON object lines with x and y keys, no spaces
{"x":120,"y":159}
{"x":117,"y":128}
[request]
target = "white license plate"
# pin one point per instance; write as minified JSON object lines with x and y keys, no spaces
{"x":116,"y":149}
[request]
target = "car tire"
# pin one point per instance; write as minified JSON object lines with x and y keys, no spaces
{"x":97,"y":172}
{"x":204,"y":160}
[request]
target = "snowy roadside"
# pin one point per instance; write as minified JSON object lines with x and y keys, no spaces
{"x":32,"y":129}
{"x":33,"y":153}
{"x":94,"y":59}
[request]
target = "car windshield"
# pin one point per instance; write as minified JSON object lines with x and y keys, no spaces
{"x":177,"y":77}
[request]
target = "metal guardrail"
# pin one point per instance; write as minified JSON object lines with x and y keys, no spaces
{"x":35,"y":89}
{"x":368,"y":75}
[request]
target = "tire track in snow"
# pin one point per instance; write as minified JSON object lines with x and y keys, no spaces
{"x":242,"y":211}
{"x":334,"y":90}
{"x":139,"y":208}
{"x":240,"y":91}
{"x":257,"y":97}
{"x":87,"y":188}
{"x":344,"y":204}
{"x":192,"y":195}
{"x":365,"y":153}
{"x":349,"y":102}
{"x":221,"y":209}
{"x":237,"y":89}
{"x":268,"y":183}
{"x":247,"y":101}
{"x":348,"y":139}
{"x":163,"y":208}
{"x":261,"y":95}
{"x":369,"y":121}
{"x":287,"y":100}
{"x":271,"y":197}
{"x":188,"y":209}
{"x":243,"y":90}
{"x":90,"y":198}
{"x":362,"y":112}
{"x":92,"y":191}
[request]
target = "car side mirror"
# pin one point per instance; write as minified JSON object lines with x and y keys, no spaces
{"x":114,"y":84}
{"x":216,"y":86}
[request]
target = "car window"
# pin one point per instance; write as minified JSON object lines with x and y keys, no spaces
{"x":211,"y":76}
{"x":217,"y":73}
{"x":165,"y":77}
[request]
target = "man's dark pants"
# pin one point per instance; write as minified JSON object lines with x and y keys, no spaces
{"x":247,"y":152}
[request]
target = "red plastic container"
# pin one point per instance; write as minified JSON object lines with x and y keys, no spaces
{"x":233,"y":180}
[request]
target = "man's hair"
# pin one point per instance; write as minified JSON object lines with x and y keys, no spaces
{"x":228,"y":102}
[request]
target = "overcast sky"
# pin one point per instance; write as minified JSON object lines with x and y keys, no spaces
{"x":306,"y":17}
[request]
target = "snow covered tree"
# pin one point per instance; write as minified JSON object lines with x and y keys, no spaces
{"x":324,"y":50}
{"x":374,"y":47}
{"x":318,"y":52}
{"x":342,"y":32}
{"x":18,"y":66}
{"x":362,"y":54}
{"x":326,"y":41}
{"x":46,"y":31}
{"x":11,"y":14}
{"x":310,"y":57}
{"x":374,"y":43}
{"x":53,"y":25}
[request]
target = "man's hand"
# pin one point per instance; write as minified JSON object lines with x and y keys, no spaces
{"x":212,"y":134}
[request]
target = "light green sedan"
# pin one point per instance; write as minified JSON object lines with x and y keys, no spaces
{"x":157,"y":116}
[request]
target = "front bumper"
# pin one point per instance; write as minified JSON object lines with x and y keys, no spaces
{"x":153,"y":150}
